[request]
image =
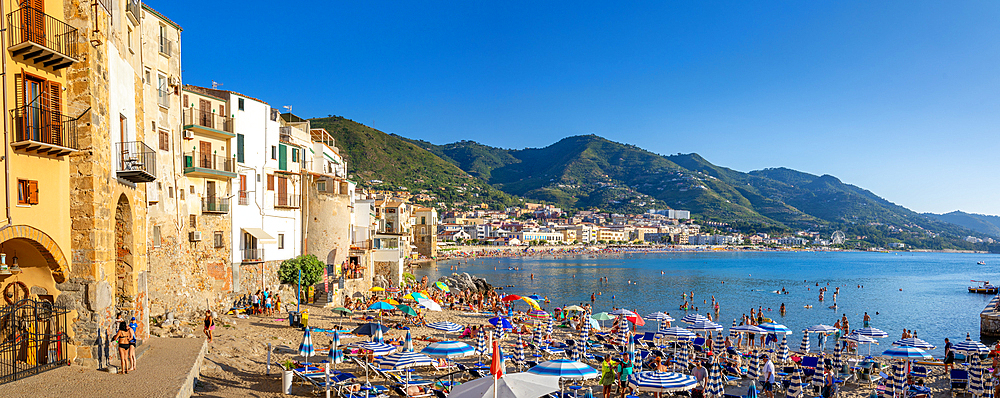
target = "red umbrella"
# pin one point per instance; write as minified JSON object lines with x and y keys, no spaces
{"x":510,"y":297}
{"x":636,"y":319}
{"x":496,"y":365}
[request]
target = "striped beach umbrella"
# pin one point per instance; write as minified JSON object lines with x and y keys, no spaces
{"x":676,"y":333}
{"x":336,"y":355}
{"x":705,"y":326}
{"x":899,"y":379}
{"x":975,"y":386}
{"x":538,"y":314}
{"x":732,"y":333}
{"x":694,"y":318}
{"x":825,"y":329}
{"x":622,"y":336}
{"x":774,"y":328}
{"x":306,"y":348}
{"x":988,"y":387}
{"x":581,"y":343}
{"x":501,"y":322}
{"x":720,"y":344}
{"x":408,"y":342}
{"x":753,"y":371}
{"x":659,"y":316}
{"x":520,"y":349}
{"x":906,"y":353}
{"x":537,"y":337}
{"x":682,"y":358}
{"x":838,"y":356}
{"x":804,"y":347}
{"x":888,"y":391}
{"x":377,"y":349}
{"x":795,"y":384}
{"x":662,"y":381}
{"x":548,"y":328}
{"x":714,"y":387}
{"x":405,"y":359}
{"x":621,"y":312}
{"x":783,"y":350}
{"x":564,"y":368}
{"x":445,"y":326}
{"x":871,"y":332}
{"x":970,"y":346}
{"x":480,"y":343}
{"x":498,"y":334}
{"x":913,"y":342}
{"x":817,"y":378}
{"x":449,"y":349}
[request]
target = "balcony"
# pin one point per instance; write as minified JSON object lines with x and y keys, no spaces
{"x":136,"y":162}
{"x":214,"y":205}
{"x":132,"y":10}
{"x":208,"y":123}
{"x":286,"y":201}
{"x":166,"y":46}
{"x":207,"y":165}
{"x":42,"y":131}
{"x":41,"y":39}
{"x":163,"y":98}
{"x":244,"y":198}
{"x":285,"y":134}
{"x":252,"y":255}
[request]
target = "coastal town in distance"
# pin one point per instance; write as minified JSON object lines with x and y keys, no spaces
{"x":167,"y":234}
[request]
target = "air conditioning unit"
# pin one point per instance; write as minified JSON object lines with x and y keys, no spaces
{"x":194,"y":236}
{"x":174,"y":81}
{"x":188,"y":135}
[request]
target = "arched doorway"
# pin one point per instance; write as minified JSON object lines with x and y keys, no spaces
{"x":124,"y":278}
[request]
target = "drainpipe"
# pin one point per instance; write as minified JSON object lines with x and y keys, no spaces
{"x":6,"y":140}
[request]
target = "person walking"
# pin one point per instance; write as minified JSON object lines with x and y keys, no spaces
{"x":131,"y":349}
{"x":209,"y":324}
{"x":949,"y":356}
{"x":768,"y":376}
{"x":829,"y":389}
{"x":625,"y":370}
{"x":608,"y":375}
{"x":124,"y":336}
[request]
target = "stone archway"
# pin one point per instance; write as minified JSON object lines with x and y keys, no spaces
{"x":124,"y":276}
{"x":46,"y":246}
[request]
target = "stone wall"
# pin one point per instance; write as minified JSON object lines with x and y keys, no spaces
{"x":256,"y":276}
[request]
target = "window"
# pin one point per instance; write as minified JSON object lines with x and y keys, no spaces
{"x":180,"y":194}
{"x":423,"y":220}
{"x":274,"y":152}
{"x":321,"y":186}
{"x":241,"y":103}
{"x":270,"y":182}
{"x":27,"y":192}
{"x":156,"y":236}
{"x":295,"y":155}
{"x":191,"y":188}
{"x":164,"y":140}
{"x":148,"y":76}
{"x":219,"y":242}
{"x":281,"y":241}
{"x":170,"y":192}
{"x":239,"y":148}
{"x":185,"y":101}
{"x":194,"y":221}
{"x":129,"y":38}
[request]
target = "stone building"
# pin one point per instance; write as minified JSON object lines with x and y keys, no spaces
{"x":425,"y":231}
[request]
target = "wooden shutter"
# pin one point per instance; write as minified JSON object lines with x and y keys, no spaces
{"x":32,"y":192}
{"x":164,"y":140}
{"x":243,"y":182}
{"x":55,"y":108}
{"x":239,"y":147}
{"x":222,"y":110}
{"x":185,"y":104}
{"x":270,"y":182}
{"x":206,"y":154}
{"x":20,"y":115}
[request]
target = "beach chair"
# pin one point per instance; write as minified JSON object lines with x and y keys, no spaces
{"x":399,"y":391}
{"x":810,"y":362}
{"x":448,"y":365}
{"x":919,"y":371}
{"x":959,"y":379}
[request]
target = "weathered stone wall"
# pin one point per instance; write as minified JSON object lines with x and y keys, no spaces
{"x":328,"y":235}
{"x":257,"y":276}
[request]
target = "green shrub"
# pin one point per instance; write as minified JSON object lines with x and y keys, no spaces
{"x":312,"y":270}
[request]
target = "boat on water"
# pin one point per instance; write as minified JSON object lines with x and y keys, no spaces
{"x":984,"y":288}
{"x":981,"y":263}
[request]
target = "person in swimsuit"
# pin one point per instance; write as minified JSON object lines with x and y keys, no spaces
{"x":131,"y":350}
{"x":209,"y":325}
{"x":124,"y":336}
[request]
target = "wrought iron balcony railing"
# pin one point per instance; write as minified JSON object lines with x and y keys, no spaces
{"x":38,"y":129}
{"x":41,"y":38}
{"x":214,"y":205}
{"x":253,"y":255}
{"x":197,"y":117}
{"x":136,"y":161}
{"x":202,"y":160}
{"x":286,"y":200}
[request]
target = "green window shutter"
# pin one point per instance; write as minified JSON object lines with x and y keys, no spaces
{"x":239,"y":148}
{"x":295,"y":155}
{"x":282,"y":157}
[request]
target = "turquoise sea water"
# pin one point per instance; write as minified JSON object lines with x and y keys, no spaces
{"x":934,"y":299}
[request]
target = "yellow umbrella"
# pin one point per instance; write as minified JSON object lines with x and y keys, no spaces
{"x":376,"y":289}
{"x":391,"y":301}
{"x":531,"y":302}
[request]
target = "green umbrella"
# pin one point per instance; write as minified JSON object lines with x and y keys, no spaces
{"x":343,"y":310}
{"x":406,"y":309}
{"x":602,"y":316}
{"x":442,"y":286}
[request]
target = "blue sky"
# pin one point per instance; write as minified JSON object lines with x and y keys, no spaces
{"x":900,"y":98}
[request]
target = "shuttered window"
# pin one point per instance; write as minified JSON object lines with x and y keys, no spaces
{"x":27,"y":192}
{"x":270,"y":182}
{"x":164,"y":140}
{"x":239,"y":148}
{"x":55,"y":106}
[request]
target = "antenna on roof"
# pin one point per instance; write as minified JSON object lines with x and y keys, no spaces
{"x":288,"y":107}
{"x":215,"y":84}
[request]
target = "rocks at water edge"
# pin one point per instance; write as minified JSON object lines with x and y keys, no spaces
{"x":464,"y":281}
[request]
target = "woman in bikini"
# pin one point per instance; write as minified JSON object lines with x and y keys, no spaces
{"x":209,"y":325}
{"x":124,"y":337}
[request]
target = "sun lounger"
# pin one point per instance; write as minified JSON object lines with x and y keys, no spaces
{"x":810,"y":362}
{"x":448,"y":365}
{"x":959,"y":379}
{"x":399,"y":390}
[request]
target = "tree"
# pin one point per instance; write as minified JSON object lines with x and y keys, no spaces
{"x":312,"y":270}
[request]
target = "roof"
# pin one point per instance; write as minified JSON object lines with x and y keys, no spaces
{"x":218,"y":93}
{"x":158,"y":15}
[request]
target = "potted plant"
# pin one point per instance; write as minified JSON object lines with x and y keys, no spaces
{"x":287,"y":376}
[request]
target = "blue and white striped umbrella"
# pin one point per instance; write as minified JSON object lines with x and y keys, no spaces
{"x":306,"y":348}
{"x":804,"y":347}
{"x":662,"y":381}
{"x":682,"y":358}
{"x":565,"y":368}
{"x":905,"y":353}
{"x":659,"y":316}
{"x":975,"y":386}
{"x":622,"y":336}
{"x":732,"y":333}
{"x":446,"y":326}
{"x":621,"y":312}
{"x":676,"y":333}
{"x":408,"y":342}
{"x":748,"y":329}
{"x":502,"y":322}
{"x":970,"y":346}
{"x":783,"y":350}
{"x":914,"y":342}
{"x":705,"y":326}
{"x":405,"y":359}
{"x":859,"y":339}
{"x":890,"y":381}
{"x":988,"y":387}
{"x":838,"y":355}
{"x":549,"y":326}
{"x":795,"y":385}
{"x":774,"y":328}
{"x":584,"y":337}
{"x":449,"y":349}
{"x":826,"y":329}
{"x":537,"y":338}
{"x":481,"y":343}
{"x":871,"y":332}
{"x":498,"y":334}
{"x":377,"y":349}
{"x":694,"y":318}
{"x":753,"y":371}
{"x":720,"y":344}
{"x":817,"y":378}
{"x":336,"y":355}
{"x":520,"y":349}
{"x":899,"y":369}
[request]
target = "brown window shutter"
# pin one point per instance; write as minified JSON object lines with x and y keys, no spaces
{"x":32,"y":192}
{"x":55,"y":106}
{"x":185,"y":104}
{"x":270,"y":182}
{"x":222,"y":110}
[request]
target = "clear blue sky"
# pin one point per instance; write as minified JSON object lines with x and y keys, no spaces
{"x":901,"y":98}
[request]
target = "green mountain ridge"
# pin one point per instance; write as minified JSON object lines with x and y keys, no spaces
{"x":989,"y":225}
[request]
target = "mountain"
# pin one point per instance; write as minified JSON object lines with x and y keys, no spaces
{"x":989,"y":225}
{"x":382,"y":161}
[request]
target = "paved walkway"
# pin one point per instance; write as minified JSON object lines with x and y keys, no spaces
{"x":165,"y":370}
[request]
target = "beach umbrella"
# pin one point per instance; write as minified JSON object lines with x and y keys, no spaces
{"x":753,"y":371}
{"x":682,"y":359}
{"x":342,"y":311}
{"x":445,"y":326}
{"x":821,"y":329}
{"x":635,"y":319}
{"x":752,"y":390}
{"x":510,"y":297}
{"x":480,"y":343}
{"x":659,"y":316}
{"x":748,"y":329}
{"x":520,"y":349}
{"x":859,"y":339}
{"x":408,"y":342}
{"x":871,"y":332}
{"x":705,"y":326}
{"x":498,"y":334}
{"x":534,"y":304}
{"x":676,"y":333}
{"x":369,"y":329}
{"x":514,"y":385}
{"x":621,"y":312}
{"x":335,"y":355}
{"x":537,"y":337}
{"x":970,"y":346}
{"x":414,"y":296}
{"x":804,"y":347}
{"x":975,"y":386}
{"x":377,"y":349}
{"x":501,"y":322}
{"x":535,"y":297}
{"x":732,"y":333}
{"x":795,"y":384}
{"x":988,"y":387}
{"x":306,"y":348}
{"x":720,"y":344}
{"x":693,"y":318}
{"x":393,"y":290}
{"x":405,"y":309}
{"x":906,"y":353}
{"x":714,"y":386}
{"x":582,"y":343}
{"x":376,"y":289}
{"x":838,"y":356}
{"x":574,"y":308}
{"x":899,"y":379}
{"x":405,"y":359}
{"x":774,"y":328}
{"x":622,"y":336}
{"x":783,"y":350}
{"x":449,"y":349}
{"x":913,"y":342}
{"x":392,"y":301}
{"x":565,"y":368}
{"x":602,"y":316}
{"x":441,"y":286}
{"x":817,"y":378}
{"x":549,"y":327}
{"x":429,"y":304}
{"x":538,"y":314}
{"x":662,"y":381}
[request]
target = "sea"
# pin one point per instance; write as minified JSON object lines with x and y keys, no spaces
{"x":923,"y":292}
